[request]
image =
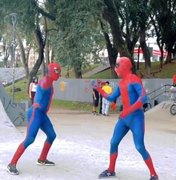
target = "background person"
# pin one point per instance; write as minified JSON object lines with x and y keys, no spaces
{"x":174,"y":79}
{"x":173,"y":89}
{"x":33,"y":88}
{"x":100,"y":99}
{"x":106,"y":103}
{"x":95,"y":97}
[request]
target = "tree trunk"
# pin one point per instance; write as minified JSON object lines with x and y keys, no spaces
{"x":77,"y":70}
{"x":138,"y":56}
{"x":161,"y":58}
{"x":116,"y":33}
{"x":6,"y":52}
{"x":112,"y":51}
{"x":109,"y":15}
{"x":168,"y":59}
{"x":40,"y":59}
{"x":46,"y":43}
{"x":47,"y":52}
{"x":23,"y":56}
{"x":146,"y":52}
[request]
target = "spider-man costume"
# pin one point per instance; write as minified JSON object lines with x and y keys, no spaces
{"x":37,"y":116}
{"x":133,"y":96}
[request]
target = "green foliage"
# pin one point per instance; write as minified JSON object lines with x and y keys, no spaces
{"x":164,"y":20}
{"x":73,"y":29}
{"x":19,"y":95}
{"x":106,"y":74}
{"x":71,"y":105}
{"x":167,"y":72}
{"x":78,"y":34}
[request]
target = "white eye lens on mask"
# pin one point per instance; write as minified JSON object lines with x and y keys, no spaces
{"x":56,"y":70}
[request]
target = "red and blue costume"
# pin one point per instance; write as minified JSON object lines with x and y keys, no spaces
{"x":37,"y":115}
{"x":133,"y":96}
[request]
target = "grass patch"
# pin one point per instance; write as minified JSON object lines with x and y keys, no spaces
{"x":71,"y":74}
{"x":20,"y":93}
{"x":23,"y":95}
{"x":167,"y":71}
{"x":77,"y":106}
{"x":71,"y":105}
{"x":106,"y":74}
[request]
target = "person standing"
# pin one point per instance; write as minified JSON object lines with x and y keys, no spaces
{"x":37,"y":119}
{"x":105,"y":103}
{"x":33,"y":88}
{"x":131,"y":118}
{"x":174,"y":79}
{"x":95,"y":96}
{"x":100,"y":99}
{"x":173,"y":89}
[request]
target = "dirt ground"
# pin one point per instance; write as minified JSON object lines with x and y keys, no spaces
{"x":81,"y":150}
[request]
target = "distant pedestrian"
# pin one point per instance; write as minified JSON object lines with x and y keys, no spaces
{"x":33,"y":88}
{"x":173,"y":93}
{"x":106,"y":103}
{"x":174,"y":79}
{"x":95,"y":97}
{"x":100,"y":99}
{"x":173,"y":89}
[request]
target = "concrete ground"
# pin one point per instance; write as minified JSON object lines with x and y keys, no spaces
{"x":81,"y":150}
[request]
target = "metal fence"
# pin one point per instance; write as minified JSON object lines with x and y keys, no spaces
{"x":80,"y":89}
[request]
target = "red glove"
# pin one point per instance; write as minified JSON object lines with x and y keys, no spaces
{"x":113,"y":106}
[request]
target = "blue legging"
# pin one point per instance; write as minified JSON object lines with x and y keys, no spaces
{"x":38,"y":119}
{"x":135,"y":123}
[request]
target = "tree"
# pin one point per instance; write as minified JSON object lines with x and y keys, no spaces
{"x":164,"y":20}
{"x":75,"y":31}
{"x":29,"y":15}
{"x":78,"y":33}
{"x":123,"y":18}
{"x":143,"y":16}
{"x":112,"y":51}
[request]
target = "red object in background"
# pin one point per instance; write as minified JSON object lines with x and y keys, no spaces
{"x":154,"y":52}
{"x":174,"y":79}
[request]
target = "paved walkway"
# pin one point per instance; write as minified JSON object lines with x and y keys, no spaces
{"x":81,"y":150}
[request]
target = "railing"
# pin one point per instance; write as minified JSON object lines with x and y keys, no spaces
{"x":162,"y":92}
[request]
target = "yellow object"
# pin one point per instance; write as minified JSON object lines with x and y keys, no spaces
{"x":62,"y":86}
{"x":107,"y":89}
